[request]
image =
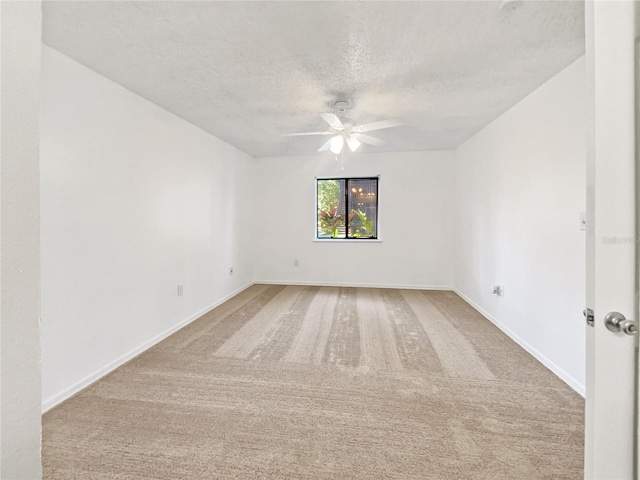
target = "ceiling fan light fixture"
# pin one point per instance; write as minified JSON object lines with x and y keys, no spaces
{"x":337,"y":143}
{"x":353,"y":143}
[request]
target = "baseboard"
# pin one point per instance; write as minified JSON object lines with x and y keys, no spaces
{"x":98,"y":374}
{"x":359,"y":285}
{"x":559,"y":372}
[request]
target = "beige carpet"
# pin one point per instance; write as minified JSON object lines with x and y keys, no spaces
{"x":324,"y":383}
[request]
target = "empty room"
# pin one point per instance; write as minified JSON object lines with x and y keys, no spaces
{"x":323,"y":240}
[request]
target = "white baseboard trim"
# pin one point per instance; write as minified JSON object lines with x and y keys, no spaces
{"x":559,"y":372}
{"x":359,"y":285}
{"x":55,"y":400}
{"x":69,"y":392}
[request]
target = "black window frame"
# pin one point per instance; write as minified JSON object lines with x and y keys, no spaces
{"x":347,"y":209}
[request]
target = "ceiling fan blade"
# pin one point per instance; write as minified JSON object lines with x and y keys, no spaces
{"x":370,"y":140}
{"x":332,"y":120}
{"x":368,"y":127}
{"x":325,"y":146}
{"x":305,"y":133}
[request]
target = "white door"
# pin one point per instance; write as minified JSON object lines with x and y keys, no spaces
{"x":610,"y":443}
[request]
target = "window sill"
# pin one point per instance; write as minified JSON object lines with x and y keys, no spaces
{"x":344,"y":240}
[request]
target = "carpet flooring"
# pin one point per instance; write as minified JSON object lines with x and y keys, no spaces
{"x":293,"y":382}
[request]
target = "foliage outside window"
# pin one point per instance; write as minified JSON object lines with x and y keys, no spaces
{"x":347,"y":208}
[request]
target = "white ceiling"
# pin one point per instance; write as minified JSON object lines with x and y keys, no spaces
{"x":248,"y":72}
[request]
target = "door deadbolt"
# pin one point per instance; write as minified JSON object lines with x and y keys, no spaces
{"x":616,"y":322}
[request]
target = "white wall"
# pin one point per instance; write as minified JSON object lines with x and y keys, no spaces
{"x":19,"y":245}
{"x":415,"y":214}
{"x":519,"y":190}
{"x":134,"y":201}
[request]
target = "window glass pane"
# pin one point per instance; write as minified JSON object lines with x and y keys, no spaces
{"x":331,"y":209}
{"x":363,"y":208}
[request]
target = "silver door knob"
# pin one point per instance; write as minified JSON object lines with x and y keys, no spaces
{"x":616,"y":322}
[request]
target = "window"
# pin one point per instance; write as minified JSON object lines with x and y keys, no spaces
{"x":347,"y":208}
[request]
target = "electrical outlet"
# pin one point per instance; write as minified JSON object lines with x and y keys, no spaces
{"x":230,"y":270}
{"x":180,"y":289}
{"x":296,"y":263}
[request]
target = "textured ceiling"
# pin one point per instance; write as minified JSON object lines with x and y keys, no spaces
{"x":248,"y":72}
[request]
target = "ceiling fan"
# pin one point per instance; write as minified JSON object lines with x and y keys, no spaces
{"x":343,"y":130}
